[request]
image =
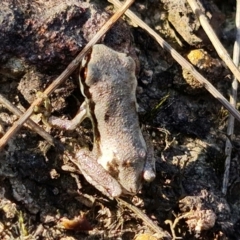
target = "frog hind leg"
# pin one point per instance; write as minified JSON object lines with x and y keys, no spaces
{"x":149,"y":172}
{"x":96,"y":175}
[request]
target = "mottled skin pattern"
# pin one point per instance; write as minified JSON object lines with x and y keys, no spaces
{"x":109,"y":84}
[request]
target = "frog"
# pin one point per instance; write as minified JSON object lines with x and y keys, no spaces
{"x":121,"y":159}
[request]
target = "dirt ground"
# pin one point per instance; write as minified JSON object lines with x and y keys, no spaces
{"x":41,"y":199}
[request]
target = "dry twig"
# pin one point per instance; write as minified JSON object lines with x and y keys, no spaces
{"x":65,"y":74}
{"x":182,"y":61}
{"x":233,"y":101}
{"x":163,"y":234}
{"x":222,"y":52}
{"x":174,"y":224}
{"x":30,"y":123}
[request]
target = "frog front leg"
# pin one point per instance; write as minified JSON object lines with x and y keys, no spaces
{"x":70,"y":124}
{"x":96,"y":175}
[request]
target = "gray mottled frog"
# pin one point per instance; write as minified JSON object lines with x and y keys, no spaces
{"x":120,"y":159}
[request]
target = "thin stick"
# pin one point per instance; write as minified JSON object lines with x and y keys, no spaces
{"x":233,"y":101}
{"x":174,"y":224}
{"x":222,"y":52}
{"x":182,"y":61}
{"x":30,"y":123}
{"x":65,"y":74}
{"x":162,"y":234}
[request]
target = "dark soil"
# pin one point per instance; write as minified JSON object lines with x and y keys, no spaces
{"x":39,"y":199}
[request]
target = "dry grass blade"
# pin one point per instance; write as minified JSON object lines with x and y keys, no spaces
{"x":182,"y":61}
{"x":223,"y":54}
{"x":71,"y":67}
{"x":30,"y":123}
{"x":161,"y":233}
{"x":233,"y":101}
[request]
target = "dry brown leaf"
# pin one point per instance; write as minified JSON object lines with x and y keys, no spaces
{"x":79,"y":223}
